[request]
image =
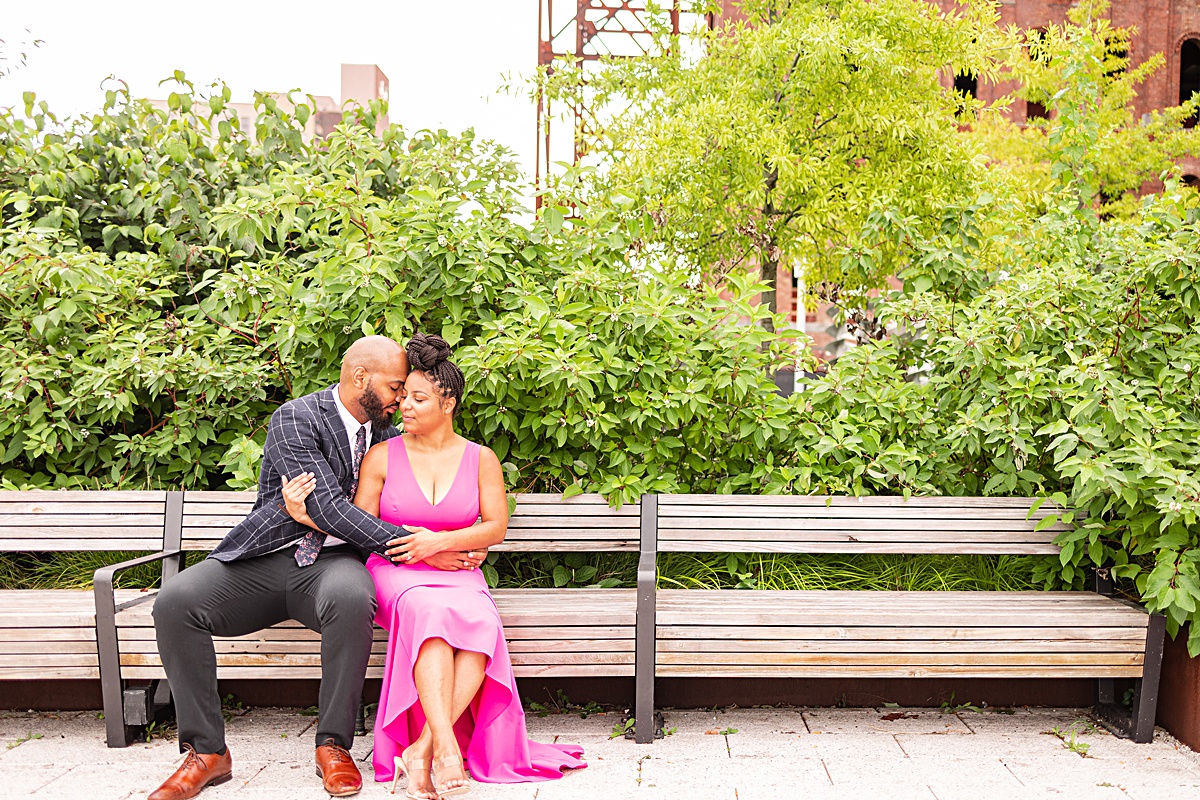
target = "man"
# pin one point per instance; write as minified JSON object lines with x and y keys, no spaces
{"x":270,"y":568}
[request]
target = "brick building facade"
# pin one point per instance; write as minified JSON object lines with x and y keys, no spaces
{"x":1170,"y":27}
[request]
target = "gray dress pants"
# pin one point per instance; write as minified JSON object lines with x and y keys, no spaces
{"x":335,"y":597}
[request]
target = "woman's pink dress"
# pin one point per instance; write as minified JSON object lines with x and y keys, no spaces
{"x":420,"y":602}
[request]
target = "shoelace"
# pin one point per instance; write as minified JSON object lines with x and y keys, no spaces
{"x":193,"y":759}
{"x":339,"y":753}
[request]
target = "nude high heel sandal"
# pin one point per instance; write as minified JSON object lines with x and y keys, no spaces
{"x":441,"y":789}
{"x":416,"y":765}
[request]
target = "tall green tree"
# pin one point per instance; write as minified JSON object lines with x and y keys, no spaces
{"x":770,"y":139}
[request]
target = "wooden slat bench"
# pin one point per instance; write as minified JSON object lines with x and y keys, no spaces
{"x":817,"y":634}
{"x":51,"y":634}
{"x":550,"y":632}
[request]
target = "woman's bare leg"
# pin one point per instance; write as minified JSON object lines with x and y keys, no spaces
{"x":433,"y":675}
{"x":469,"y":669}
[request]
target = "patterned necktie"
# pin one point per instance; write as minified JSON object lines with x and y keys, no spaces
{"x":310,"y":545}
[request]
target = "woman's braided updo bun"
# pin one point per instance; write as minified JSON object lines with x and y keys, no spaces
{"x":429,"y":353}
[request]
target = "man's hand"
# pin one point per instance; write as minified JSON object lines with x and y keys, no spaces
{"x":295,"y":492}
{"x":451,"y":560}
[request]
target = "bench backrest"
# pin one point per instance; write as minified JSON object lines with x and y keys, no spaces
{"x":541,"y":522}
{"x":789,"y":524}
{"x":75,"y":521}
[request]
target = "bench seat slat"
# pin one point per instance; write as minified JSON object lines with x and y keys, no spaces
{"x":897,"y":635}
{"x":930,"y":645}
{"x":935,"y":659}
{"x":908,"y":548}
{"x":671,"y":515}
{"x":221,"y":525}
{"x":955,"y":671}
{"x":27,"y":672}
{"x":254,"y":673}
{"x":108,"y":520}
{"x":822,"y":533}
{"x":313,"y":646}
{"x":79,"y":509}
{"x":50,"y":660}
{"x":99,"y":497}
{"x":825,"y":501}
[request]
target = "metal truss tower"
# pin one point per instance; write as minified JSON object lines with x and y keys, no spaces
{"x":588,"y":30}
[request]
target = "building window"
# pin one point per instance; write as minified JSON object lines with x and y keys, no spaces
{"x":1116,"y":56}
{"x":1189,"y":74}
{"x":1039,"y":53}
{"x":1192,"y":181}
{"x":967,"y":85}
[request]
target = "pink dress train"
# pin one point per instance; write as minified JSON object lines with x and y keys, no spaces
{"x":420,"y":602}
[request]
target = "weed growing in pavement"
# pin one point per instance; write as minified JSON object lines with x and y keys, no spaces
{"x":231,"y":707}
{"x":622,"y":728}
{"x":22,"y":740}
{"x":949,"y":707}
{"x":160,"y":730}
{"x":561,"y":704}
{"x":1080,"y":727}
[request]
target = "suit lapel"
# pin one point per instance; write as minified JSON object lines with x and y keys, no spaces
{"x":333,"y":421}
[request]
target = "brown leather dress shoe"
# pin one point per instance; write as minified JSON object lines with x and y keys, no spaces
{"x":337,"y":769}
{"x":197,"y":771}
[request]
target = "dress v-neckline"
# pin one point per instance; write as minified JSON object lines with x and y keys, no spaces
{"x":417,"y":483}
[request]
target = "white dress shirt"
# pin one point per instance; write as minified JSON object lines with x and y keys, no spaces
{"x":352,"y":425}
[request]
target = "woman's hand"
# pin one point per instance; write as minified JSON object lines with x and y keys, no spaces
{"x":295,"y":491}
{"x":451,"y":560}
{"x":418,"y":545}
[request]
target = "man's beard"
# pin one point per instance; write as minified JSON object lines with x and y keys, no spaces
{"x":376,"y":415}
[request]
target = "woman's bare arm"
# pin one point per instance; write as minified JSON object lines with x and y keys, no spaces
{"x":371,"y":475}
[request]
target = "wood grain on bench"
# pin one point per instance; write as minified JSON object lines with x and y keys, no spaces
{"x":788,"y":524}
{"x":760,"y":633}
{"x":51,"y":633}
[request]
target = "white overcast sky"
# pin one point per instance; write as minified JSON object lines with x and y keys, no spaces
{"x":445,"y":58}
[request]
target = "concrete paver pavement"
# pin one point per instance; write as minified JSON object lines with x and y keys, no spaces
{"x":733,"y":754}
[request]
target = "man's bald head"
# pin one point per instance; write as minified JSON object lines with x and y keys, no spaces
{"x":371,"y":384}
{"x":373,"y":354}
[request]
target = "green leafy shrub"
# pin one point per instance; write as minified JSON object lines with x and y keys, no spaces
{"x":165,"y":282}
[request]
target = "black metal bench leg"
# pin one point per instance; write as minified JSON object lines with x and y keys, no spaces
{"x":1145,"y":695}
{"x":360,"y":723}
{"x":1137,"y":722}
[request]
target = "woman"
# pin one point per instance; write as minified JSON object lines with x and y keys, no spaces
{"x":448,"y":686}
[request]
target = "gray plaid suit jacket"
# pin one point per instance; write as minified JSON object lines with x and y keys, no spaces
{"x":307,"y":435}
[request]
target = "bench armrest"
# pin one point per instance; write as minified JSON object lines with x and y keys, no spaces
{"x":103,"y":579}
{"x":647,"y":570}
{"x":107,"y":645}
